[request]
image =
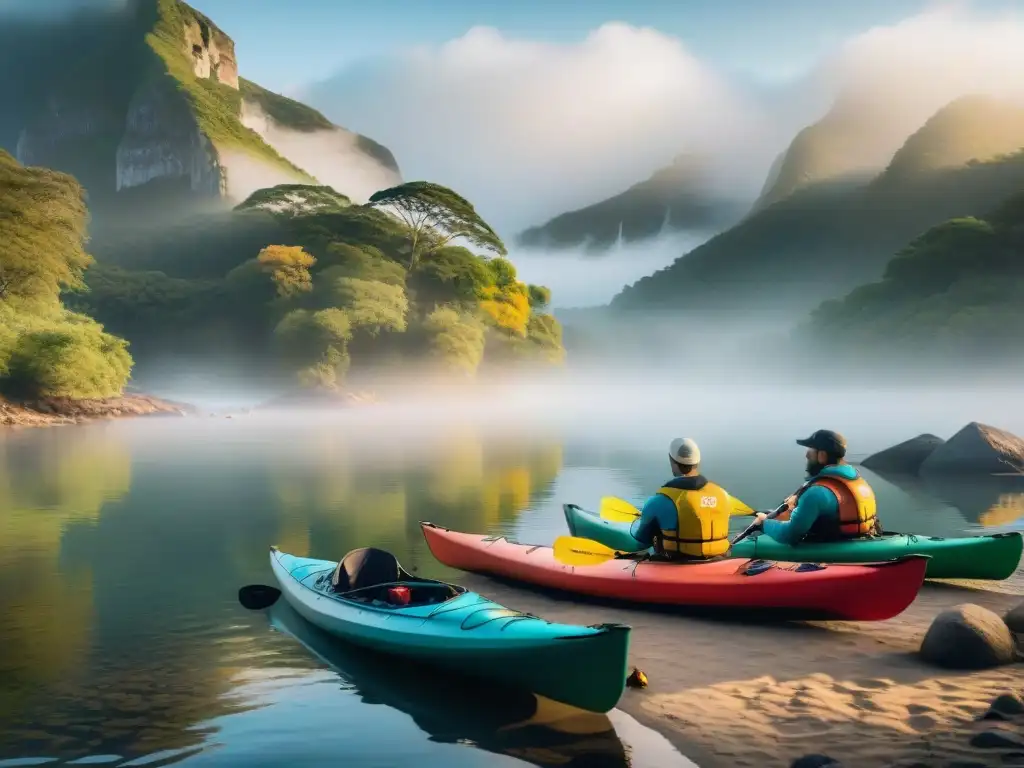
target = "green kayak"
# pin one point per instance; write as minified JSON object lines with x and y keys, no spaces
{"x":994,"y":557}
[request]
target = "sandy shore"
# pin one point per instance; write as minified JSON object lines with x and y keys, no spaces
{"x":734,"y":694}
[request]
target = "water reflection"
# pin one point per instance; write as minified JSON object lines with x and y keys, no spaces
{"x":122,"y":547}
{"x":48,"y":483}
{"x":451,"y":711}
{"x":994,"y":501}
{"x":339,"y":489}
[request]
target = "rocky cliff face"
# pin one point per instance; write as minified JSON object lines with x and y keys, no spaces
{"x":60,"y":126}
{"x":167,"y":109}
{"x":212,"y":51}
{"x":162,"y":140}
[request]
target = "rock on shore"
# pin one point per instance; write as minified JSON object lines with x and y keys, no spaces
{"x":53,"y":411}
{"x":977,"y":449}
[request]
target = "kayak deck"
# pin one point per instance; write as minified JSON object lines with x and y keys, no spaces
{"x":459,"y":629}
{"x":991,"y":557}
{"x":852,"y":592}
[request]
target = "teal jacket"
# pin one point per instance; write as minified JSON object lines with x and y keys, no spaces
{"x":814,"y":503}
{"x":659,"y":512}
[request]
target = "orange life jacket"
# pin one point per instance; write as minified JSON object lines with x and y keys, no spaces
{"x":858,"y":510}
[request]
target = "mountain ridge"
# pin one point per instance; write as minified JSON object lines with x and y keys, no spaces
{"x":824,"y":239}
{"x":673,"y":198}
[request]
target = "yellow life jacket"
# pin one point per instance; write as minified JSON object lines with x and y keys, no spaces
{"x":703,"y":521}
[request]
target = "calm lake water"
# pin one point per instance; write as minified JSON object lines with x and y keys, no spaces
{"x":122,"y":546}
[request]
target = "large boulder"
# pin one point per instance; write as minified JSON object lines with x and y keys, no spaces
{"x":904,"y":458}
{"x":1014,"y":619}
{"x":977,"y":449}
{"x":968,"y":636}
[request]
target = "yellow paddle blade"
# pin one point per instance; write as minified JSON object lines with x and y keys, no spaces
{"x":618,"y":510}
{"x":739,"y":508}
{"x":572,"y":550}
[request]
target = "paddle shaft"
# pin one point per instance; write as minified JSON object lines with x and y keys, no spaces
{"x":774,"y":513}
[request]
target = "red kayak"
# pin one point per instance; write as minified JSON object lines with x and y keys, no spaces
{"x":863,"y":592}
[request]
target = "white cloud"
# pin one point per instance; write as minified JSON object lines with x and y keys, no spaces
{"x":527,"y":129}
{"x":578,"y":279}
{"x":925,"y":61}
{"x":333,"y":157}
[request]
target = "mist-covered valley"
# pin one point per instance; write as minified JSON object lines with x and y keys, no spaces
{"x":861,"y":211}
{"x":362,"y":266}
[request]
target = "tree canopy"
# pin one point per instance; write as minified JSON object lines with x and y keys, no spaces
{"x":42,"y":228}
{"x":288,"y":267}
{"x":45,"y":349}
{"x":954,"y":290}
{"x":316,"y":297}
{"x":436,"y":215}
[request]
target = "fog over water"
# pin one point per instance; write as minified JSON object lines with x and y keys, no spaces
{"x":638,"y":410}
{"x":578,"y":278}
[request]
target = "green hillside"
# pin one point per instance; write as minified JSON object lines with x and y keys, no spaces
{"x":673,"y":198}
{"x":954,"y":293}
{"x":972,"y":128}
{"x":297,"y":281}
{"x":852,"y":141}
{"x":300,"y":117}
{"x":177,"y":32}
{"x":825,"y":239}
{"x":46,"y":350}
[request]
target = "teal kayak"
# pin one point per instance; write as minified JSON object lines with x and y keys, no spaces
{"x":993,"y":557}
{"x":446,"y":707}
{"x":448,"y":626}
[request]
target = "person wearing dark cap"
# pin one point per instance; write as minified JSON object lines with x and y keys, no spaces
{"x":688,"y":518}
{"x":838,"y":504}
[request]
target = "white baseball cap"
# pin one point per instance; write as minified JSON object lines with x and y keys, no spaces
{"x":684,"y":451}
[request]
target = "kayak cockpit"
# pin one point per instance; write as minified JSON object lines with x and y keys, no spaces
{"x":374,"y":577}
{"x":402,"y":594}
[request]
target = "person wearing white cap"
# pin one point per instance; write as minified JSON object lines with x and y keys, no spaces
{"x":688,"y":518}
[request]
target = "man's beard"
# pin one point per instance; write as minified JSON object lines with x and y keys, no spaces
{"x":813,"y":467}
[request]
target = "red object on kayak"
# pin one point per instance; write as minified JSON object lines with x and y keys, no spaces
{"x":863,"y":592}
{"x":398,"y":595}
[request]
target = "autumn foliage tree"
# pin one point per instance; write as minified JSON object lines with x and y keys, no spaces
{"x":288,"y":266}
{"x":316,"y":290}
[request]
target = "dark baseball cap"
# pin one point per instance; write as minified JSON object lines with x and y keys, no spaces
{"x":826,"y":440}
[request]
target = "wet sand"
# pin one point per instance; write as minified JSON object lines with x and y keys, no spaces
{"x":728,"y":693}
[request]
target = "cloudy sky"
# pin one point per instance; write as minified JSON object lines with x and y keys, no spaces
{"x":533,"y":107}
{"x":537,"y":106}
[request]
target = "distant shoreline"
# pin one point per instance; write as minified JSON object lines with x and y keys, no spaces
{"x":58,"y":411}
